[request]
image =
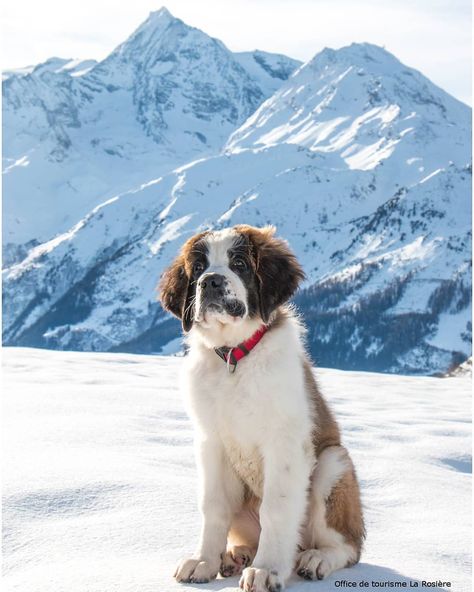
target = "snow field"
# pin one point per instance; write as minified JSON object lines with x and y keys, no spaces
{"x":100,"y":480}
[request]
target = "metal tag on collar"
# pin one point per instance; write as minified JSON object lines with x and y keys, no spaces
{"x":222,"y":352}
{"x":225,"y":353}
{"x":231,"y":367}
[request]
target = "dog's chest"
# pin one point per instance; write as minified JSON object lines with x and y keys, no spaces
{"x":239,"y":418}
{"x":244,"y":408}
{"x":246,"y":462}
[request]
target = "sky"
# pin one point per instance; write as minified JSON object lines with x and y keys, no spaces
{"x":433,"y":36}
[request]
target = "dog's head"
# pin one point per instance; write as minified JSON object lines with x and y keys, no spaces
{"x":229,"y":276}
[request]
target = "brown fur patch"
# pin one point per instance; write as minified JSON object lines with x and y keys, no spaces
{"x":175,"y":289}
{"x":343,"y":507}
{"x":245,"y":527}
{"x":276,"y":267}
{"x":344,"y":510}
{"x":326,"y":431}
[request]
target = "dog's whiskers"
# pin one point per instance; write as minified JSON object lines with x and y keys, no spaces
{"x":192,"y":302}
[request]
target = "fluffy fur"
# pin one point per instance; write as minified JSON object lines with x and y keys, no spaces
{"x":278,"y":491}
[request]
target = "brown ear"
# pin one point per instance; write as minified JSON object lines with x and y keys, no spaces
{"x":277,"y":268}
{"x":176,"y":293}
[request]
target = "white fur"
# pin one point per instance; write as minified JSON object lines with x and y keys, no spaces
{"x":333,"y":462}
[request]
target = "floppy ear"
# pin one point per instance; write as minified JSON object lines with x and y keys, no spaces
{"x":176,"y":293}
{"x":278,"y":272}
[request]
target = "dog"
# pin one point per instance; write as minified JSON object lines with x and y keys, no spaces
{"x":278,"y":491}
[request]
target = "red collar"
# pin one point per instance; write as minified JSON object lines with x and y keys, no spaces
{"x":232,"y":355}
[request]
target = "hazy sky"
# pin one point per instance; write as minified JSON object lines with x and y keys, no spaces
{"x":433,"y":36}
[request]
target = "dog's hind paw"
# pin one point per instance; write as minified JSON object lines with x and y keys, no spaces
{"x":313,"y":564}
{"x":234,"y":560}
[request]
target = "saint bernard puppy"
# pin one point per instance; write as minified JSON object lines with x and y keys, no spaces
{"x":278,"y":491}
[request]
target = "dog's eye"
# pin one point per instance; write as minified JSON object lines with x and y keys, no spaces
{"x":198,"y":267}
{"x":239,"y":263}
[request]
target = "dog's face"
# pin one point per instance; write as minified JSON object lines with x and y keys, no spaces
{"x":229,"y":276}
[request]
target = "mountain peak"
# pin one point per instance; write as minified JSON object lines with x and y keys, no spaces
{"x":359,"y":54}
{"x":152,"y":31}
{"x":162,"y":12}
{"x":159,"y":17}
{"x":357,"y":101}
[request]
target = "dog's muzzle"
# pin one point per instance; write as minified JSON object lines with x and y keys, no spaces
{"x":213,"y":288}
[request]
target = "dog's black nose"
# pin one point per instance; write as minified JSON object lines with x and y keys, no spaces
{"x":212,"y":280}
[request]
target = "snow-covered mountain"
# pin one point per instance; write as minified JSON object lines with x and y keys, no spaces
{"x":77,"y":133}
{"x":363,"y":165}
{"x":54,"y":65}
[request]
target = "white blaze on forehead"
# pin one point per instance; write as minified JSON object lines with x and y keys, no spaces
{"x":218,"y":244}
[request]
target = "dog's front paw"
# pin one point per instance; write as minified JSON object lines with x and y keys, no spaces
{"x":256,"y":579}
{"x":196,"y":571}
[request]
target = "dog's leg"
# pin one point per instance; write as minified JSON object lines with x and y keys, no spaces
{"x":242,"y":541}
{"x":335,"y":529}
{"x":287,"y":465}
{"x":221,"y":496}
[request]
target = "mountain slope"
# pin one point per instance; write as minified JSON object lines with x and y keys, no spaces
{"x":361,"y":163}
{"x":75,"y":136}
{"x":356,"y":104}
{"x":54,"y":65}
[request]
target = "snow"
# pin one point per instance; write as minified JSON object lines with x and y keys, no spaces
{"x":329,"y":105}
{"x":100,"y":480}
{"x":416,"y":297}
{"x":449,"y":332}
{"x":74,"y":67}
{"x":22,"y":162}
{"x":437,"y":171}
{"x":266,"y":68}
